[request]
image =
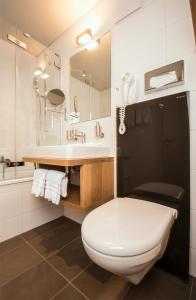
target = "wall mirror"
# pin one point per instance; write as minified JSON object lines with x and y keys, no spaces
{"x":90,"y":82}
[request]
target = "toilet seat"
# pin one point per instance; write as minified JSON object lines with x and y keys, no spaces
{"x":126,"y":261}
{"x":127,"y":227}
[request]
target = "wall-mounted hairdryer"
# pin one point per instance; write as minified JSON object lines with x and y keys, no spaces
{"x":129,"y":94}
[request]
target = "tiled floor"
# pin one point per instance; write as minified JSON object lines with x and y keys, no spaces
{"x":49,"y":262}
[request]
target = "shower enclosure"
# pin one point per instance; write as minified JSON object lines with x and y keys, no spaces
{"x":26,"y":119}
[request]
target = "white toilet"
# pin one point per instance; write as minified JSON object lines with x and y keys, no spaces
{"x":127,"y":236}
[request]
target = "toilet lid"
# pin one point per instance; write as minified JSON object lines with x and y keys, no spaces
{"x":127,"y":226}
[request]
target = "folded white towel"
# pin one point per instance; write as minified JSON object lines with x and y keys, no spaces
{"x":56,"y":184}
{"x":163,"y":79}
{"x":39,"y":179}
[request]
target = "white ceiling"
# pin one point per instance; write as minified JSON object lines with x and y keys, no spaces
{"x":44,"y":20}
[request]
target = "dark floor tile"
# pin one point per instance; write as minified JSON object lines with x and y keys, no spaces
{"x":92,"y":281}
{"x":193,"y":294}
{"x":45,"y":229}
{"x":69,"y":293}
{"x":159,"y":285}
{"x":114,"y":289}
{"x":16,"y":262}
{"x":39,"y":283}
{"x":71,"y":259}
{"x":11,"y":244}
{"x":56,"y":238}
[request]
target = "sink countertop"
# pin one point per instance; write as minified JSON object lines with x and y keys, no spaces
{"x":67,"y":162}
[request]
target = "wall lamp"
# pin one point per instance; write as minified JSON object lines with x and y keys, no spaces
{"x":84,"y":38}
{"x":92,"y":45}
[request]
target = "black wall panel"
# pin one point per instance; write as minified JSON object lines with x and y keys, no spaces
{"x":153,"y":163}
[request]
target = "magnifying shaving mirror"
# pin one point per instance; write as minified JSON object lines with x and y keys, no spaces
{"x":56,"y":97}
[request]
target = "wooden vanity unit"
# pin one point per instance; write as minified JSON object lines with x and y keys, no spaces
{"x":96,"y":179}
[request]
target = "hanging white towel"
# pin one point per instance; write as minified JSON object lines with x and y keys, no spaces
{"x":39,"y":179}
{"x":64,"y":187}
{"x":56,"y":184}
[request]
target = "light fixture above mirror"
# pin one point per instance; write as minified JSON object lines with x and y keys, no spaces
{"x":84,"y":38}
{"x":92,"y":45}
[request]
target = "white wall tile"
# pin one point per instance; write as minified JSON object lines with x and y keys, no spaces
{"x":74,"y":215}
{"x":146,"y":2}
{"x":153,"y":15}
{"x":20,"y":211}
{"x":192,"y":265}
{"x":177,"y":10}
{"x":193,"y":109}
{"x":144,"y":44}
{"x":30,"y":202}
{"x":10,"y":228}
{"x":179,"y":39}
{"x":190,"y":67}
{"x":193,"y":229}
{"x":10,"y":204}
{"x":40,"y":216}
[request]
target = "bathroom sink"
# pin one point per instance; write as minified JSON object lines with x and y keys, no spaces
{"x":71,"y":150}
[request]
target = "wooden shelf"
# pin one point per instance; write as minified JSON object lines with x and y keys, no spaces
{"x":73,"y":198}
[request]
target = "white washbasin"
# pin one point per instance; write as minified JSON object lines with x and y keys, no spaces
{"x":71,"y":150}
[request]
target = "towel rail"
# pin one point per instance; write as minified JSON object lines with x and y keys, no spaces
{"x":36,"y":166}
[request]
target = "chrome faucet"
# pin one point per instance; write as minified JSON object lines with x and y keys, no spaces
{"x":5,"y":161}
{"x":74,"y":135}
{"x":2,"y":159}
